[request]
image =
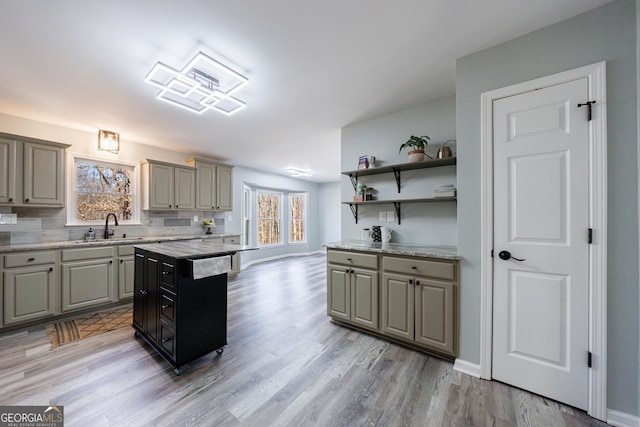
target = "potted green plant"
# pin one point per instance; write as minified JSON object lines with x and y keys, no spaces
{"x":417,"y":143}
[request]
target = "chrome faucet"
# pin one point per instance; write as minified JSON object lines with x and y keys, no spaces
{"x":108,"y":233}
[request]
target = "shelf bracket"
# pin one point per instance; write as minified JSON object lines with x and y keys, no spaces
{"x":354,"y":211}
{"x":396,"y":173}
{"x":396,"y":206}
{"x":354,"y":181}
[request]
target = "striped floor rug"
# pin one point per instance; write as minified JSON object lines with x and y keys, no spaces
{"x":88,"y":325}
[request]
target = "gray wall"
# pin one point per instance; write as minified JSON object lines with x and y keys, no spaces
{"x":329,"y":212}
{"x":430,"y":223}
{"x":605,"y":34}
{"x":261,"y":180}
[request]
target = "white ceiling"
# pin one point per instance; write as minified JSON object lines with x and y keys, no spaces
{"x":314,"y":66}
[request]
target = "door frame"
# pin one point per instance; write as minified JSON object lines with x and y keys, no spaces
{"x":596,"y":81}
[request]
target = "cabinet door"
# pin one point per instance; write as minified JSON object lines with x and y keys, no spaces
{"x":338,"y":292}
{"x":87,"y":283}
{"x":7,"y":171}
{"x":205,"y":186}
{"x":126,"y":268}
{"x":224,"y":188}
{"x":29,"y":293}
{"x":435,"y":314}
{"x":43,"y":175}
{"x":364,"y":298}
{"x":139,"y":292}
{"x":398,"y":296}
{"x":161,"y":192}
{"x":184,"y":187}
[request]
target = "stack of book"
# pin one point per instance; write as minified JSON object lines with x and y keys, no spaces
{"x":445,"y":190}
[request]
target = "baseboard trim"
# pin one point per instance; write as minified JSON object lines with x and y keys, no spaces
{"x":468,"y":368}
{"x":622,"y":419}
{"x":272,"y":258}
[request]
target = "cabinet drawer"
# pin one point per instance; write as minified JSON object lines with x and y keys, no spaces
{"x":24,"y":259}
{"x":232,"y":239}
{"x":353,"y":258}
{"x":168,"y":274}
{"x":167,"y":305}
{"x":420,"y":267}
{"x":126,"y":250}
{"x":87,"y":253}
{"x":168,"y":339}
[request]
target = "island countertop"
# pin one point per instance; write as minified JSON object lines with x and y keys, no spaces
{"x":407,"y":249}
{"x":192,"y":248}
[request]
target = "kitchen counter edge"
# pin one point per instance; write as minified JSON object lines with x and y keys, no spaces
{"x":70,"y":244}
{"x":416,"y":250}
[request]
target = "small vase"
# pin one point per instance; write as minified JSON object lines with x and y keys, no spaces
{"x":415,"y":156}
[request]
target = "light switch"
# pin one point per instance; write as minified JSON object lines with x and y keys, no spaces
{"x":229,"y":217}
{"x":195,"y":218}
{"x":391,"y":216}
{"x":382,"y":216}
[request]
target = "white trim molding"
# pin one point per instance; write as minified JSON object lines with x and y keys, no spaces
{"x":468,"y":368}
{"x":596,"y":81}
{"x":621,"y":419}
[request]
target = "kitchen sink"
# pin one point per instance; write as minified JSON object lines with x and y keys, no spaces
{"x":113,"y":239}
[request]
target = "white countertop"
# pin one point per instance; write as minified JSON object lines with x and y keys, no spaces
{"x":192,"y":248}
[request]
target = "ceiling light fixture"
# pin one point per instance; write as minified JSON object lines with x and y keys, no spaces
{"x":108,"y":141}
{"x":298,"y":172}
{"x":203,"y":84}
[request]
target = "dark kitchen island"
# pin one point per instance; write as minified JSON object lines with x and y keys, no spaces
{"x":180,"y":298}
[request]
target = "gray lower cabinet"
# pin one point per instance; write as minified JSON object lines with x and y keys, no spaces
{"x":126,"y":267}
{"x":352,"y":288}
{"x":419,"y":302}
{"x":87,"y":277}
{"x":415,"y":300}
{"x":30,"y":286}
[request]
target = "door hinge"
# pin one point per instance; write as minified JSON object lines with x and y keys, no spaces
{"x":588,"y":105}
{"x":589,"y":359}
{"x":590,"y":236}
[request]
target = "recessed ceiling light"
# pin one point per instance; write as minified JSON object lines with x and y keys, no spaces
{"x":202,"y":84}
{"x":298,"y":172}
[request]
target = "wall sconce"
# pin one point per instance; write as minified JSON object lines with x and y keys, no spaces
{"x":108,"y":141}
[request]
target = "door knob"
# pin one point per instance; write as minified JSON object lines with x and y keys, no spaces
{"x":506,"y":255}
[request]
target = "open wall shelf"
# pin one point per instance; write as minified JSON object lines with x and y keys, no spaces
{"x":397,"y":169}
{"x":397,"y":204}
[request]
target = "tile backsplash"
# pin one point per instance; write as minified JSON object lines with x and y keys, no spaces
{"x":38,"y":225}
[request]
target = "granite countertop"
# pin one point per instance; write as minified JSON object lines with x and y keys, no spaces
{"x":192,"y":248}
{"x":70,"y":244}
{"x":407,"y":249}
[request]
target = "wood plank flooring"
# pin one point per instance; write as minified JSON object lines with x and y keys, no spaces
{"x":285,"y":365}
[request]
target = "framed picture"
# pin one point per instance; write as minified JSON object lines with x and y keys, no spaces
{"x":363,"y":162}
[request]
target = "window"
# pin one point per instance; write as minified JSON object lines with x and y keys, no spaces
{"x":98,"y":188}
{"x":268,"y":216}
{"x":297,"y":218}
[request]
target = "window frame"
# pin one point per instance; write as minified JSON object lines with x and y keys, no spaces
{"x":304,"y":218}
{"x":72,"y":195}
{"x":281,"y":240}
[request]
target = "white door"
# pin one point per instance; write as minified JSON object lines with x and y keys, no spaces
{"x":541,"y":218}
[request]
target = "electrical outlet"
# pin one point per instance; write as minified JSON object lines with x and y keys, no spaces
{"x":382,"y":216}
{"x":391,"y":216}
{"x":195,"y":218}
{"x":229,"y":217}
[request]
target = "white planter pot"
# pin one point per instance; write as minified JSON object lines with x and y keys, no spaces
{"x":415,"y":156}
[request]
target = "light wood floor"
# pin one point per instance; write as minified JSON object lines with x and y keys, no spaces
{"x":285,"y":365}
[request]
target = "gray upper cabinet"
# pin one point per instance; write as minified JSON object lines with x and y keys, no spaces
{"x":214,"y":185}
{"x":31,"y":172}
{"x":166,"y":186}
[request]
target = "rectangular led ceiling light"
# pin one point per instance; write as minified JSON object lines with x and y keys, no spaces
{"x":202,"y":84}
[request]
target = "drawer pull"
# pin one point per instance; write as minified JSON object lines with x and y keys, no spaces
{"x":143,"y":292}
{"x":349,"y":259}
{"x":166,"y":273}
{"x":414,"y":267}
{"x":31,"y":259}
{"x":11,"y":199}
{"x":165,"y":306}
{"x":411,"y":281}
{"x":121,"y":261}
{"x":111,"y":262}
{"x":26,"y":200}
{"x":51,"y":269}
{"x":166,"y":340}
{"x":417,"y":283}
